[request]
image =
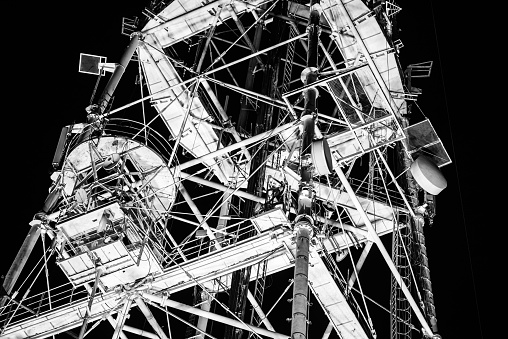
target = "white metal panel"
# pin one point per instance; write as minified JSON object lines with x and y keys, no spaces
{"x":111,"y":252}
{"x":77,"y":265}
{"x":333,"y":301}
{"x":270,"y":219}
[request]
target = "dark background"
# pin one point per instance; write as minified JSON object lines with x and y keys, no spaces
{"x":43,"y":91}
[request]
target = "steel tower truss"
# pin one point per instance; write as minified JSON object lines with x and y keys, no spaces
{"x":150,"y":204}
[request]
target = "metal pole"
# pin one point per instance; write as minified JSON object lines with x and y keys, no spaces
{"x":212,"y":316}
{"x":394,"y":180}
{"x":300,"y":287}
{"x":359,"y":264}
{"x":98,"y":272}
{"x":208,"y":38}
{"x":95,"y":112}
{"x":112,"y":322}
{"x":107,"y":94}
{"x":149,"y":316}
{"x":244,"y":35}
{"x":304,"y":221}
{"x":223,"y":113}
{"x":122,"y":316}
{"x":259,"y":311}
{"x":127,"y":328}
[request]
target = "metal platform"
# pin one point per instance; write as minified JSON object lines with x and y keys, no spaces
{"x":275,"y":246}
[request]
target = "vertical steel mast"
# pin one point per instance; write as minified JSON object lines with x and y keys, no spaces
{"x":418,"y":241}
{"x":304,"y":222}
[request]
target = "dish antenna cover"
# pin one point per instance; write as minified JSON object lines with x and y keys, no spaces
{"x":428,"y":175}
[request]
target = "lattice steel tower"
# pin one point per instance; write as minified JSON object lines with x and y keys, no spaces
{"x":243,"y":201}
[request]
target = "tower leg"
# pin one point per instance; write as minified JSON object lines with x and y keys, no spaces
{"x":304,"y":221}
{"x":300,"y":287}
{"x":122,"y":316}
{"x":384,"y":253}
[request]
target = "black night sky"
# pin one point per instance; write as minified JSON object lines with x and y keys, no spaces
{"x":43,"y":91}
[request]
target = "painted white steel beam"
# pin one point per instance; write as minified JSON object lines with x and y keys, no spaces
{"x":198,"y":215}
{"x":328,"y":331}
{"x":220,"y":187}
{"x":151,"y":319}
{"x":134,"y":330}
{"x":142,"y":333}
{"x":202,"y":321}
{"x":359,"y":264}
{"x":122,"y":316}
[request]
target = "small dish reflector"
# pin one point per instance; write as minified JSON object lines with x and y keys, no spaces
{"x":428,"y":175}
{"x":89,"y":63}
